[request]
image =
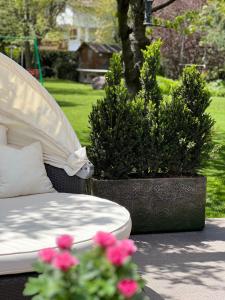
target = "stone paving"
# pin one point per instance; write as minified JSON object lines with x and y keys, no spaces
{"x":184,"y":266}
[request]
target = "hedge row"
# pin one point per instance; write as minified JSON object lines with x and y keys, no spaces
{"x":59,"y":64}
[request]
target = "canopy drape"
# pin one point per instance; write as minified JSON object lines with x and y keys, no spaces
{"x":32,"y":114}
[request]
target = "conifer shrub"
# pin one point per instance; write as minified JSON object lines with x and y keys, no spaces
{"x":191,"y":124}
{"x":152,"y":97}
{"x":116,"y":125}
{"x":150,"y":135}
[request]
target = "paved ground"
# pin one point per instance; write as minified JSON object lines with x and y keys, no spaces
{"x":184,"y":266}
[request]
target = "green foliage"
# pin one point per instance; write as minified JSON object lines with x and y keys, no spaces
{"x":115,"y":127}
{"x":184,"y":24}
{"x":150,"y":91}
{"x":212,"y":23}
{"x":217,"y":88}
{"x":151,"y":95}
{"x":195,"y":135}
{"x":166,"y":85}
{"x":94,"y":278}
{"x":59,"y":64}
{"x":151,"y":136}
{"x":29,"y":17}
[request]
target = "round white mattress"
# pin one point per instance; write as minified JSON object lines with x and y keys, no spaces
{"x":31,"y":223}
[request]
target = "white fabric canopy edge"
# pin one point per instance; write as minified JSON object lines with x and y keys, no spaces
{"x":32,"y":114}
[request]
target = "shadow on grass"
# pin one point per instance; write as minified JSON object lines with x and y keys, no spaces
{"x":67,"y":104}
{"x":214,"y":169}
{"x":74,"y":91}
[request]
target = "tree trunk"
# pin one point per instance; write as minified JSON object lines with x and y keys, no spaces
{"x":139,"y":39}
{"x":131,"y":70}
{"x":134,"y":39}
{"x":28,"y":55}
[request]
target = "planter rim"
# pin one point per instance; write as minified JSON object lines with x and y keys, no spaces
{"x":151,"y":178}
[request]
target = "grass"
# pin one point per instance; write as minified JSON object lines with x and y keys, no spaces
{"x":76,"y":101}
{"x":215,"y":169}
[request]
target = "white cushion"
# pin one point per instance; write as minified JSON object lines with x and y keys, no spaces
{"x":22,"y":171}
{"x":31,"y":223}
{"x":3,"y":135}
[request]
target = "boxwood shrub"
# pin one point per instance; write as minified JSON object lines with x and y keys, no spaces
{"x":151,"y":135}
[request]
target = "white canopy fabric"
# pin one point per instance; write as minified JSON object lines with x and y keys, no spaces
{"x":31,"y":114}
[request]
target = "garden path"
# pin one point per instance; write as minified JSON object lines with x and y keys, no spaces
{"x":184,"y":266}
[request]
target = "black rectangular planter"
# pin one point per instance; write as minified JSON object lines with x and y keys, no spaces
{"x":158,"y":204}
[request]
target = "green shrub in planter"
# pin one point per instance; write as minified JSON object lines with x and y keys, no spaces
{"x":152,"y":97}
{"x":148,"y":138}
{"x":151,"y":136}
{"x":179,"y":130}
{"x":187,"y":126}
{"x":116,"y":127}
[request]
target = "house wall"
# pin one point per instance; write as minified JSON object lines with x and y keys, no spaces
{"x":89,"y":59}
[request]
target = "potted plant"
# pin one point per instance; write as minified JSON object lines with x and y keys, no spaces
{"x":104,"y":272}
{"x":147,"y":151}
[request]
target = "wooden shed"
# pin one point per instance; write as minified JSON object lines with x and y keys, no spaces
{"x":94,"y":60}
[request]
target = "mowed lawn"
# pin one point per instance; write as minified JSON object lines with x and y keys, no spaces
{"x":76,"y":101}
{"x":215,"y":169}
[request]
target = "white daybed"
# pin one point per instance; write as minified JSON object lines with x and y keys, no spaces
{"x":30,"y":223}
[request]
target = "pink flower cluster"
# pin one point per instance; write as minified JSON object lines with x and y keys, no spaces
{"x":62,"y":260}
{"x":117,"y":252}
{"x":127,"y":287}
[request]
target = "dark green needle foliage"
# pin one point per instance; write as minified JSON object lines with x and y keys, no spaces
{"x":115,"y":127}
{"x":192,"y":125}
{"x":148,"y":135}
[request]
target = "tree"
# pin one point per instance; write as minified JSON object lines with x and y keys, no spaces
{"x":29,"y":18}
{"x":133,"y":38}
{"x":212,"y":22}
{"x":105,"y":11}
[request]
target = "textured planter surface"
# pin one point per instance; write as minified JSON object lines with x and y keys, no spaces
{"x":158,"y":204}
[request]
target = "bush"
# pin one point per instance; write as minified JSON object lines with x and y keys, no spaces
{"x":152,"y":96}
{"x":104,"y":272}
{"x":194,"y":132}
{"x":217,"y":88}
{"x":115,"y":127}
{"x":151,"y":136}
{"x":60,"y":64}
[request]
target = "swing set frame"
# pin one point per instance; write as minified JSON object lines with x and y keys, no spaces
{"x":36,"y":50}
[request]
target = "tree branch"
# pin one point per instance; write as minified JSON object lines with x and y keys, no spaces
{"x":163,"y":5}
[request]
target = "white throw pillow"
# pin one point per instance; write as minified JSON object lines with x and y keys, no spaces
{"x":3,"y":135}
{"x":22,"y":171}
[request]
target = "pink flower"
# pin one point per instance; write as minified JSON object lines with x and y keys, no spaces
{"x":128,"y":246}
{"x":64,"y":242}
{"x":104,"y":239}
{"x":47,"y":255}
{"x":127,"y":287}
{"x":117,"y":255}
{"x":64,"y":261}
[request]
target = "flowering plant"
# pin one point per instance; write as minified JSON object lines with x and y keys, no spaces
{"x":106,"y":272}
